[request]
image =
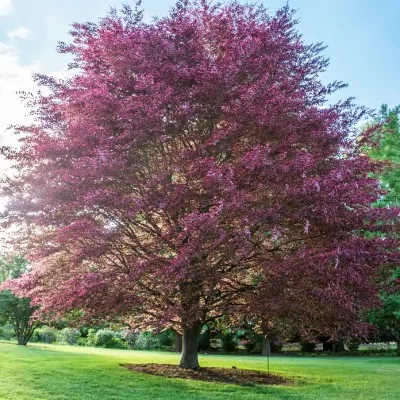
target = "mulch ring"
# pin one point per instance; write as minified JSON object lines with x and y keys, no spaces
{"x":225,"y":375}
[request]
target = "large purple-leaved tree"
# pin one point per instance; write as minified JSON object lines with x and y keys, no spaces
{"x":192,"y":168}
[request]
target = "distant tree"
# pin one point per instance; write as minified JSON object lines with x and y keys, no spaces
{"x":193,"y":168}
{"x":387,"y":148}
{"x":15,"y":310}
{"x":13,"y":267}
{"x":387,"y":317}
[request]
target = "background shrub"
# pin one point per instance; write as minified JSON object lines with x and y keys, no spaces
{"x":166,"y":339}
{"x":47,"y":334}
{"x":84,"y":330}
{"x":161,"y":341}
{"x":104,"y":338}
{"x":91,"y":337}
{"x":130,"y":338}
{"x":82,"y":341}
{"x":250,"y":340}
{"x":229,"y":341}
{"x":69,"y":335}
{"x":205,"y":339}
{"x":307,"y":347}
{"x":146,"y":341}
{"x":353,"y":344}
{"x":6,"y":332}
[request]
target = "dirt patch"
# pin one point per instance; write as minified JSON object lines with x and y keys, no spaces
{"x":225,"y":375}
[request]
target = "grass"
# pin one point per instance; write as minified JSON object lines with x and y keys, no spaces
{"x":84,"y":373}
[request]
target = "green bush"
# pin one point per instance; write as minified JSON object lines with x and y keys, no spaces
{"x":166,"y":339}
{"x":150,"y":341}
{"x":47,"y":334}
{"x":104,"y":338}
{"x":7,"y":332}
{"x":205,"y":339}
{"x":35,"y":336}
{"x":84,"y":330}
{"x":307,"y":347}
{"x":130,"y":338}
{"x":117,"y":343}
{"x":91,"y":337}
{"x":250,"y":340}
{"x":146,"y":341}
{"x":229,"y":342}
{"x":353,"y":344}
{"x":82,"y":341}
{"x":377,"y":352}
{"x":69,"y":335}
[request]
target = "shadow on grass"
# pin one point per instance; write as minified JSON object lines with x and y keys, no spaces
{"x":48,"y":373}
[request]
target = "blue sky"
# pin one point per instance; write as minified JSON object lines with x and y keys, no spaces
{"x":363,"y":38}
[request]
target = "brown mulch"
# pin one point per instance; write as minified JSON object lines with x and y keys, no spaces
{"x":225,"y":375}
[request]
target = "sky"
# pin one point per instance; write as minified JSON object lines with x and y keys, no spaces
{"x":363,"y":38}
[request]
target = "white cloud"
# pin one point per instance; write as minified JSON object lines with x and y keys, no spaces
{"x":5,"y":7}
{"x":14,"y":77}
{"x":20,"y":32}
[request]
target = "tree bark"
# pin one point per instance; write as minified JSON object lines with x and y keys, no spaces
{"x":178,"y":342}
{"x":266,"y":347}
{"x":190,"y":338}
{"x":398,"y":348}
{"x":23,"y":334}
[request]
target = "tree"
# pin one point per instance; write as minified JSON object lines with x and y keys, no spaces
{"x":190,"y":165}
{"x":15,"y":310}
{"x":12,"y":268}
{"x":387,"y":148}
{"x":387,"y":317}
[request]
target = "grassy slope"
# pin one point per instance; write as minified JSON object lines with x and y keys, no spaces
{"x":63,"y":372}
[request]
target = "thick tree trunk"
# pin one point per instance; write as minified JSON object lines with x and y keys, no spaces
{"x":178,"y":342}
{"x":22,"y":339}
{"x":23,"y":334}
{"x":398,"y":348}
{"x":190,"y":338}
{"x":266,"y":347}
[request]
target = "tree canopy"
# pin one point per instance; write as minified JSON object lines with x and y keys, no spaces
{"x":387,"y":148}
{"x":192,"y":168}
{"x":13,"y":309}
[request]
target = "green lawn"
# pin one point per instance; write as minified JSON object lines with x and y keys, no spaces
{"x":64,"y":372}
